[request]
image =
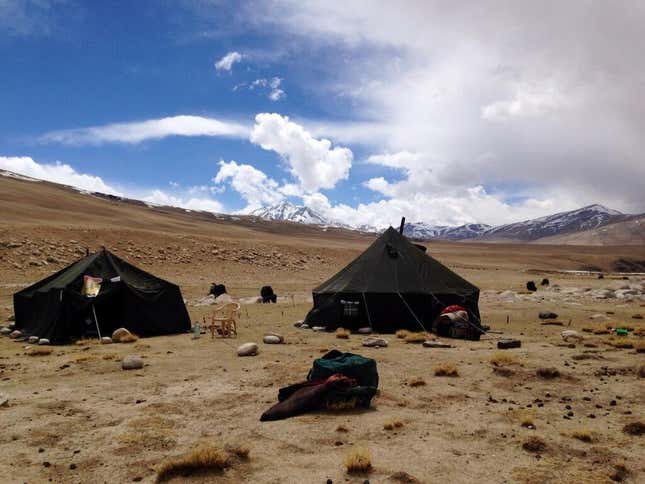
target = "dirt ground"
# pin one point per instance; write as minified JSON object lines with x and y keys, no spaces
{"x":75,"y":416}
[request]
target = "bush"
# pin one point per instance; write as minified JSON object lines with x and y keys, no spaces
{"x":503,"y":358}
{"x":342,"y":333}
{"x":203,"y":457}
{"x":358,"y":460}
{"x":445,"y":369}
{"x":534,"y":444}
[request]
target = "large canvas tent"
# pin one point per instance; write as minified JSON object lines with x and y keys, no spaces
{"x":56,"y":308}
{"x":392,"y":285}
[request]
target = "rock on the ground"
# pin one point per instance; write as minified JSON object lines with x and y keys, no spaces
{"x":435,"y":344}
{"x":547,"y":315}
{"x":374,"y":342}
{"x":365,"y":330}
{"x":571,"y":335}
{"x":118,"y":334}
{"x":33,"y":339}
{"x":247,"y":349}
{"x":43,"y":341}
{"x":106,"y":340}
{"x":15,"y":334}
{"x":132,"y":362}
{"x":273,"y":339}
{"x":304,"y":326}
{"x":319,"y":328}
{"x":5,"y":330}
{"x":4,"y":400}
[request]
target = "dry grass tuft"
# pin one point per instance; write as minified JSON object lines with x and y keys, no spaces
{"x":534,"y":444}
{"x":110,"y":356}
{"x":640,"y":347}
{"x":392,"y":424}
{"x":342,"y":333}
{"x":639,"y":331}
{"x":601,"y":331}
{"x":634,"y":428}
{"x":149,"y":433}
{"x":241,"y":451}
{"x":503,"y":371}
{"x":402,"y":333}
{"x":583,"y":435}
{"x":358,"y":460}
{"x":342,"y":428}
{"x":503,"y":358}
{"x":416,"y":382}
{"x":416,"y":337}
{"x":87,"y":342}
{"x":621,"y":343}
{"x":142,"y":346}
{"x":548,"y":373}
{"x":128,"y":338}
{"x":445,"y":369}
{"x":39,"y":351}
{"x":203,"y":457}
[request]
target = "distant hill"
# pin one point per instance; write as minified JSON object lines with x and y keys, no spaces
{"x":288,"y":212}
{"x":586,"y":218}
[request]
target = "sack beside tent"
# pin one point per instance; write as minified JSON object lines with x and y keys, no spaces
{"x":56,"y":308}
{"x":392,"y":285}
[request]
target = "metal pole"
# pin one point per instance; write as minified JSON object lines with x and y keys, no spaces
{"x":369,"y":319}
{"x":97,"y":322}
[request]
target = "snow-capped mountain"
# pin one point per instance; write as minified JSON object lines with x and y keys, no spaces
{"x":423,"y":231}
{"x":585,"y":218}
{"x":287,"y":211}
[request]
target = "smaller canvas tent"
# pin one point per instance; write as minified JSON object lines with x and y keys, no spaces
{"x":55,"y":308}
{"x":392,"y":285}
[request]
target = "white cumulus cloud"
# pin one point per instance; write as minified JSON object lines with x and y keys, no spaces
{"x":312,"y":161}
{"x":253,"y":185}
{"x":152,"y":129}
{"x":226,"y":62}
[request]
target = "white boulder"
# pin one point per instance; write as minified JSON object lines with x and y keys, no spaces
{"x":132,"y":362}
{"x":273,"y":339}
{"x":43,"y":341}
{"x":248,"y":349}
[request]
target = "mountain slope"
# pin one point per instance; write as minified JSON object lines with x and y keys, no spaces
{"x":628,"y":232}
{"x":287,"y":211}
{"x":423,"y":231}
{"x":586,"y":218}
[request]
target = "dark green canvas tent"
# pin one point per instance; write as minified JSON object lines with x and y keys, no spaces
{"x":129,"y":297}
{"x":392,"y":285}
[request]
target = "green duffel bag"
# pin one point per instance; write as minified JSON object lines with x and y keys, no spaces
{"x":361,"y":369}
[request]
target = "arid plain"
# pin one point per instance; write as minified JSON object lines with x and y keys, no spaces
{"x":75,"y":416}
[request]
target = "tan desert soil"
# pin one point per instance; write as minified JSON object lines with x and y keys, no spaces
{"x":75,"y":416}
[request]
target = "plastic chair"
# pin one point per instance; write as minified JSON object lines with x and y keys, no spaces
{"x":224,"y":320}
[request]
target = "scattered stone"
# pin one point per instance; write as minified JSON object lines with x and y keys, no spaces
{"x":530,"y":286}
{"x":570,"y":334}
{"x":634,"y":428}
{"x":43,"y":341}
{"x":72,"y":466}
{"x":106,"y":340}
{"x":15,"y":334}
{"x":4,"y":400}
{"x":547,"y":315}
{"x":5,"y":330}
{"x":548,"y":373}
{"x":404,"y":478}
{"x":503,"y":371}
{"x":33,"y":339}
{"x":545,"y":282}
{"x":365,"y":330}
{"x":534,"y":444}
{"x":318,"y":328}
{"x":273,"y":339}
{"x":504,"y":344}
{"x":119,"y":334}
{"x":248,"y":349}
{"x":132,"y":362}
{"x":304,"y":326}
{"x":435,"y":344}
{"x":374,"y":342}
{"x":298,"y":324}
{"x":637,"y":316}
{"x":598,"y":316}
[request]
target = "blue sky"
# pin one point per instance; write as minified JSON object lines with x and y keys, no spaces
{"x":363,"y":113}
